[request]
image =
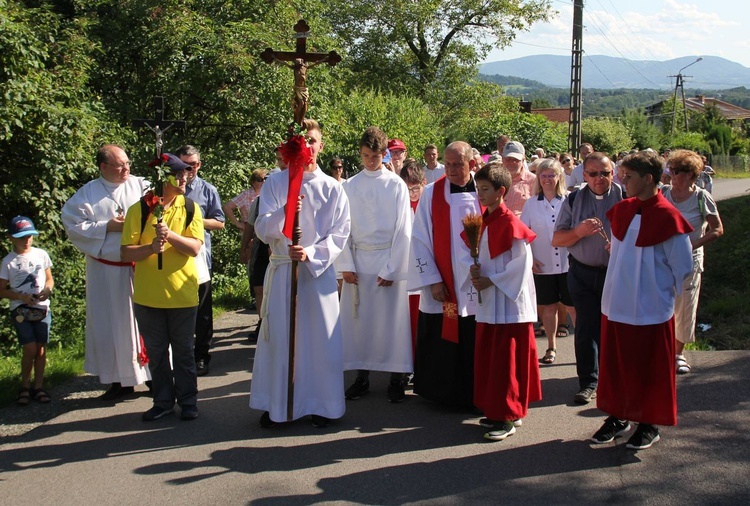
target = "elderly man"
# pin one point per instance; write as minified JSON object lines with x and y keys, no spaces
{"x":444,"y":365}
{"x":522,"y":180}
{"x":205,"y":195}
{"x":93,"y":219}
{"x":583,"y":227}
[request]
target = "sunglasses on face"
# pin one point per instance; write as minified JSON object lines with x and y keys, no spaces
{"x":601,"y":173}
{"x":565,"y":161}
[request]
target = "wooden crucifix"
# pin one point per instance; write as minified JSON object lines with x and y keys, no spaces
{"x":158,"y":125}
{"x":300,"y":60}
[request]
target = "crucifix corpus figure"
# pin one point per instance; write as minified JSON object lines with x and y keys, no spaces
{"x":158,"y":125}
{"x":300,"y":60}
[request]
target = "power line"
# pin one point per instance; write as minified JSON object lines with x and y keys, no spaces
{"x":644,"y":46}
{"x":600,"y":70}
{"x":620,"y":53}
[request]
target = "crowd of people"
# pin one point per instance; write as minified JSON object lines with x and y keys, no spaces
{"x":441,"y":275}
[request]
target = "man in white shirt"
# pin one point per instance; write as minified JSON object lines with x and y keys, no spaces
{"x":93,"y":219}
{"x":433,"y":170}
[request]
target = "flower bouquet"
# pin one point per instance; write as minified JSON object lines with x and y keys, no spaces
{"x":296,"y":154}
{"x":154,"y":197}
{"x":473,"y":228}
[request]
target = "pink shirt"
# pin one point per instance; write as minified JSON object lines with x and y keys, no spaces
{"x":520,"y":191}
{"x":244,"y":201}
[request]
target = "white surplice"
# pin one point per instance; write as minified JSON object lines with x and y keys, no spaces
{"x":423,"y":270}
{"x":111,"y":330}
{"x":642,"y":282}
{"x":318,"y":374}
{"x":375,"y":319}
{"x":512,"y":299}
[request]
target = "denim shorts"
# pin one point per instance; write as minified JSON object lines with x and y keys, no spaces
{"x":32,"y":332}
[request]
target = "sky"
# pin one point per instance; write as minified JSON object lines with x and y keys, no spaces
{"x":642,"y":30}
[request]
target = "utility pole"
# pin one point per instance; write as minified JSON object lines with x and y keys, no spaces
{"x":576,"y":68}
{"x":679,"y":83}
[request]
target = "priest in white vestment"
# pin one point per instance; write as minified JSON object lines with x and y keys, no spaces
{"x":93,"y":219}
{"x":444,"y":363}
{"x":318,"y":373}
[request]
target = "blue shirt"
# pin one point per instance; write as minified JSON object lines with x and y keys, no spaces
{"x":205,"y":195}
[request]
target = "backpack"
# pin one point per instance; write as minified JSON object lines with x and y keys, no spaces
{"x":189,"y":210}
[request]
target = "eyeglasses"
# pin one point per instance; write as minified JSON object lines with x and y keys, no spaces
{"x":565,"y":161}
{"x":261,"y":179}
{"x":547,"y":176}
{"x":601,"y":173}
{"x":415,"y":189}
{"x":120,"y":166}
{"x":674,"y":172}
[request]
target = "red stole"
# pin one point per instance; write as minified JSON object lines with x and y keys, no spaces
{"x":441,"y":244}
{"x":659,"y":220}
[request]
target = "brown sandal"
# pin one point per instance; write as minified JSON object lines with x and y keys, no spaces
{"x":41,"y":396}
{"x":549,"y":356}
{"x":24,"y":396}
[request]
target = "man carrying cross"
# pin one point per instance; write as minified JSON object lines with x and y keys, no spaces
{"x":318,"y":372}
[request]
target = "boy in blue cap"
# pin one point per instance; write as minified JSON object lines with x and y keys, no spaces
{"x":26,"y":280}
{"x":165,"y":300}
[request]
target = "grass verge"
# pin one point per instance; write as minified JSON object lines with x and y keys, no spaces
{"x":724,"y":300}
{"x":62,"y":364}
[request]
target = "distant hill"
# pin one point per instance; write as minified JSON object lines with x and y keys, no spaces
{"x":606,"y":72}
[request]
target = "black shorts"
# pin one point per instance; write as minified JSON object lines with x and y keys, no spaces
{"x":552,"y":288}
{"x":260,"y":265}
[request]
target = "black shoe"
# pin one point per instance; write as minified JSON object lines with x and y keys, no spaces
{"x":643,"y":437}
{"x":155,"y":413}
{"x":252,"y":337}
{"x":150,"y":386}
{"x":612,"y":428}
{"x":265,"y":420}
{"x":115,"y":392}
{"x":359,"y":388}
{"x":189,"y":412}
{"x":585,"y":395}
{"x":201,"y":367}
{"x":319,"y":421}
{"x":396,"y":392}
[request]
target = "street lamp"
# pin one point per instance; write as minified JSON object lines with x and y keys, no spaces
{"x":679,"y":84}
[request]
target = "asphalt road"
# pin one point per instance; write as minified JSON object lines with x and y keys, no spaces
{"x":729,"y":188}
{"x":380,"y":453}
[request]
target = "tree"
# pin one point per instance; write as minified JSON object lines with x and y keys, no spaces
{"x":49,"y":124}
{"x":606,"y":135}
{"x":644,"y":134}
{"x":427,"y":45}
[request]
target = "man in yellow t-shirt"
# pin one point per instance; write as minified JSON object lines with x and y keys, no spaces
{"x":166,"y":300}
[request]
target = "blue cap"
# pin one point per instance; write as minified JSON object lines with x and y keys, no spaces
{"x":21,"y":226}
{"x":175,"y":163}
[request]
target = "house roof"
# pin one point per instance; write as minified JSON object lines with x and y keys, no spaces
{"x":556,"y":114}
{"x":729,"y":111}
{"x":701,"y":102}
